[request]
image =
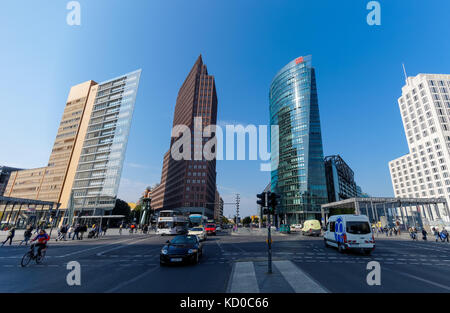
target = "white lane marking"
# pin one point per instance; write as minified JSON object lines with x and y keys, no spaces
{"x":120,"y":247}
{"x":298,"y":279}
{"x":243,"y":278}
{"x":421,"y":279}
{"x":89,"y":249}
{"x":123,"y":284}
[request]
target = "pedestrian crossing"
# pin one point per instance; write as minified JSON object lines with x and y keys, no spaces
{"x":248,"y":277}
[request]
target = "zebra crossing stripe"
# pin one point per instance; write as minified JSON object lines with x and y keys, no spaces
{"x":297,"y":279}
{"x":243,"y":278}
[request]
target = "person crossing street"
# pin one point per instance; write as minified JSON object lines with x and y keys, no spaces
{"x":11,"y":234}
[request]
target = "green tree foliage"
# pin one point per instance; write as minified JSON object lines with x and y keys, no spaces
{"x":247,"y":220}
{"x":121,"y":208}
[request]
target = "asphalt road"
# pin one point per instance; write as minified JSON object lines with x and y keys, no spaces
{"x":130,"y":263}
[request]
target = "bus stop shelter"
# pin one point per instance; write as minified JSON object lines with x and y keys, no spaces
{"x":410,"y":211}
{"x":20,"y":212}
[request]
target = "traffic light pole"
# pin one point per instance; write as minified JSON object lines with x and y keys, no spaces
{"x":269,"y":240}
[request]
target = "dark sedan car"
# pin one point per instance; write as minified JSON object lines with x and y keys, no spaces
{"x":181,"y":249}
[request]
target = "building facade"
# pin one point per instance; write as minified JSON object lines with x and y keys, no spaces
{"x":340,"y":179}
{"x":190,"y":185}
{"x":99,"y":169}
{"x":300,"y":175}
{"x":218,"y":207}
{"x":88,"y":135}
{"x":425,"y":171}
{"x":5,"y":173}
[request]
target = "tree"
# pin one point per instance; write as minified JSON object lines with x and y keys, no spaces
{"x":224,"y":220}
{"x":247,"y":220}
{"x":256,"y":220}
{"x":121,"y":208}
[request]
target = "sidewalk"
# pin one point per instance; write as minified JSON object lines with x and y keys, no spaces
{"x":110,"y":232}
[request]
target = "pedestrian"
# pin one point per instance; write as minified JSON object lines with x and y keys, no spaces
{"x":104,"y":229}
{"x":11,"y":234}
{"x":96,"y":231}
{"x":436,"y":234}
{"x":444,"y":235}
{"x":83,"y":229}
{"x":71,"y":229}
{"x":120,"y":229}
{"x":26,"y":236}
{"x":61,"y":233}
{"x":424,"y":234}
{"x":411,"y":233}
{"x":76,"y":232}
{"x":65,"y":229}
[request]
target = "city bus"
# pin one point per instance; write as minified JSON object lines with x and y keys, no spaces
{"x":171,"y":223}
{"x":197,"y":220}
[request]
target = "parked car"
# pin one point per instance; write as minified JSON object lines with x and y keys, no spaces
{"x":296,"y":227}
{"x":348,"y":231}
{"x":218,"y":228}
{"x":200,"y":232}
{"x":210,"y":229}
{"x":311,"y":228}
{"x":181,"y":249}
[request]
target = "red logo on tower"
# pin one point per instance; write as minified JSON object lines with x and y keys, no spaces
{"x":299,"y":60}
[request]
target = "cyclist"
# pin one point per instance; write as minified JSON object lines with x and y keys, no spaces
{"x":42,"y":240}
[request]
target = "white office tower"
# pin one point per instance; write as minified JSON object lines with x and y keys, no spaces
{"x":425,"y":171}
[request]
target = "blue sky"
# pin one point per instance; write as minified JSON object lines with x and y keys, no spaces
{"x":243,"y":43}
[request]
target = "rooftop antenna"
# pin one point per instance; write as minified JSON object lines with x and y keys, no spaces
{"x":404,"y":71}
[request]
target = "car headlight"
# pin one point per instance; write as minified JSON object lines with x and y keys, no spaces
{"x":191,"y":251}
{"x":164,"y":251}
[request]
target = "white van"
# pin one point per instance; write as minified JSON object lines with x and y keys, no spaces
{"x":348,"y":231}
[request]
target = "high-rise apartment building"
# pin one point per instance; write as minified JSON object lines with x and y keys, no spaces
{"x":190,"y":185}
{"x":300,"y":176}
{"x":93,"y":131}
{"x":425,"y":171}
{"x":5,"y":173}
{"x":340,"y":179}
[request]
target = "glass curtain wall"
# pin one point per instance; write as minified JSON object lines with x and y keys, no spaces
{"x":300,"y":175}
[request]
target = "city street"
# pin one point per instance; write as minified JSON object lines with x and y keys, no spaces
{"x":231,"y":263}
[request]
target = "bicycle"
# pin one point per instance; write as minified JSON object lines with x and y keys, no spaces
{"x":26,"y":259}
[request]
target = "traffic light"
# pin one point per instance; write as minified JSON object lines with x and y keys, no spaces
{"x":273,"y":202}
{"x":262,"y":201}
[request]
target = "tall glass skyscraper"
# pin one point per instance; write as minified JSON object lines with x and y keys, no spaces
{"x":98,"y":174}
{"x":300,"y":175}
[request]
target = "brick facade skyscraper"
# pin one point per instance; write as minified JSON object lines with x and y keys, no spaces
{"x":190,"y":185}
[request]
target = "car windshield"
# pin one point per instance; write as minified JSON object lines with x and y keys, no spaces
{"x":181,"y":240}
{"x":358,"y":228}
{"x":197,"y":229}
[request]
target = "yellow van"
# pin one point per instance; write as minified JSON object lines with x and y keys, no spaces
{"x":311,"y":228}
